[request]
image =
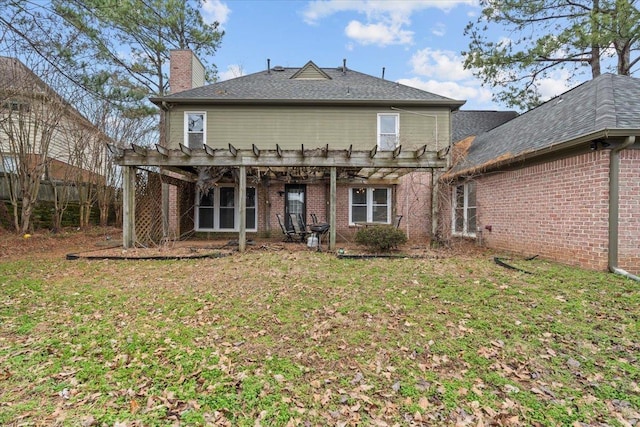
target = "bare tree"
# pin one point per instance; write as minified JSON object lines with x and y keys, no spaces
{"x":29,"y":119}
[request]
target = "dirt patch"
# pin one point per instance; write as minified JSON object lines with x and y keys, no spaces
{"x":103,"y":242}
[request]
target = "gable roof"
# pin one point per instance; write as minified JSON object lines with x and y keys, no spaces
{"x":16,"y":77}
{"x":608,"y":105}
{"x":310,"y":71}
{"x":287,"y":85}
{"x":466,"y":123}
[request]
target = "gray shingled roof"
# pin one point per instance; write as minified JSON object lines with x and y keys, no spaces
{"x":466,"y":123}
{"x":608,"y":102}
{"x":278,"y":86}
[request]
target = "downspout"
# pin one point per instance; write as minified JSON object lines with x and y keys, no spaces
{"x":614,"y":207}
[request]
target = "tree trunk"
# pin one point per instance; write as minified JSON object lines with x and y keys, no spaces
{"x":25,"y":214}
{"x":595,"y":46}
{"x":624,"y":57}
{"x":595,"y":61}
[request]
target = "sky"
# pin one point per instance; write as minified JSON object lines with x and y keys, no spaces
{"x":417,"y":42}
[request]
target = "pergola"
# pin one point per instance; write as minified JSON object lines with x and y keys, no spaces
{"x":372,"y":165}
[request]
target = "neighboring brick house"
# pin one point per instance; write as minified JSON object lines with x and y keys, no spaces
{"x":345,"y":146}
{"x":561,"y":181}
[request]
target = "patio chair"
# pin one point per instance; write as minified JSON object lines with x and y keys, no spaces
{"x":314,"y":218}
{"x":289,"y":234}
{"x":299,"y":227}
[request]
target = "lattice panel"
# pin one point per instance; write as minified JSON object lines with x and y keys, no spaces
{"x":148,"y":208}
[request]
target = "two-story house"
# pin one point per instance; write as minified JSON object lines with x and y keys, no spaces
{"x":345,"y":146}
{"x":38,"y":126}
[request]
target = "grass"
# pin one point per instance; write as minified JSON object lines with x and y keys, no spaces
{"x":304,"y":338}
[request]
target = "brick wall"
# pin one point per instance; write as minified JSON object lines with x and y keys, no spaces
{"x":180,"y":72}
{"x":418,"y":216}
{"x":629,"y":225}
{"x":558,"y":210}
{"x":413,"y":202}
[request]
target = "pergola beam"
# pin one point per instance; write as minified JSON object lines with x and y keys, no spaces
{"x":284,"y":158}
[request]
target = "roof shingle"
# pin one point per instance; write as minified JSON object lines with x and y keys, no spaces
{"x":274,"y":86}
{"x":607,"y":102}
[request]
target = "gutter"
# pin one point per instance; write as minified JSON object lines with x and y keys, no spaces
{"x":614,"y":207}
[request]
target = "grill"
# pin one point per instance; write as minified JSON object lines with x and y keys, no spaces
{"x":319,"y":230}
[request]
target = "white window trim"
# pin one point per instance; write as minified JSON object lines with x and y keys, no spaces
{"x":186,"y":126}
{"x":378,"y":133}
{"x":216,"y":211}
{"x":465,"y":210}
{"x":370,"y":204}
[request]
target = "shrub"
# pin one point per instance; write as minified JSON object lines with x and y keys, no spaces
{"x":380,"y":237}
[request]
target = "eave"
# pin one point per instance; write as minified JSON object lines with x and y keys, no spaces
{"x":166,"y":103}
{"x":506,"y":160}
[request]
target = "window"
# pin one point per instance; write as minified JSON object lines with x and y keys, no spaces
{"x":370,"y":205}
{"x":8,"y":164}
{"x":195,"y":129}
{"x":217,"y":210}
{"x":17,"y":106}
{"x":388,"y":131}
{"x":464,"y":209}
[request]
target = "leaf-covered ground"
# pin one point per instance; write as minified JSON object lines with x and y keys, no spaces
{"x":282,"y":336}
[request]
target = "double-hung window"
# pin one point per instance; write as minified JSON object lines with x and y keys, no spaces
{"x":388,"y":131}
{"x":369,"y":204}
{"x":464,"y":209}
{"x":195,"y":125}
{"x":217,"y":209}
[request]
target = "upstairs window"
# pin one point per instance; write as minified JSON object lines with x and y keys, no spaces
{"x":464,"y":209}
{"x":388,"y":131}
{"x":20,"y":106}
{"x":195,"y":126}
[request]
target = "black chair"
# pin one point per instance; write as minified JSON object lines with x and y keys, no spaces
{"x":299,"y":227}
{"x":314,"y":218}
{"x":288,"y":233}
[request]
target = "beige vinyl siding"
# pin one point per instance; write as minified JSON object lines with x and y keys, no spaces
{"x":315,"y":127}
{"x":197,"y":72}
{"x":310,"y":73}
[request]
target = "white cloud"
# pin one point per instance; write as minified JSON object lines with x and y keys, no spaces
{"x":476,"y":96}
{"x":319,"y":9}
{"x":389,"y":17}
{"x":215,"y":10}
{"x":379,"y":34}
{"x":443,"y":64}
{"x":439,"y":29}
{"x":231,"y":72}
{"x":555,"y":84}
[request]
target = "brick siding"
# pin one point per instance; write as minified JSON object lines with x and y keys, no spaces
{"x":413,"y":202}
{"x":558,"y":210}
{"x":629,"y":225}
{"x":180,"y":73}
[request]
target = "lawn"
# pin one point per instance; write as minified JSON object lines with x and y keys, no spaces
{"x":297,"y":338}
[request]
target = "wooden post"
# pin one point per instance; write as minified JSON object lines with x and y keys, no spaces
{"x":332,"y":209}
{"x":128,"y":206}
{"x":242,"y":207}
